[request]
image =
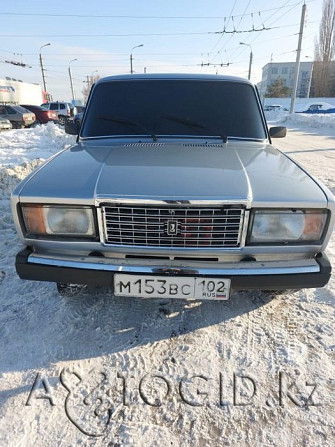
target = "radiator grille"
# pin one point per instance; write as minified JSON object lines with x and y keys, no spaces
{"x":185,"y":227}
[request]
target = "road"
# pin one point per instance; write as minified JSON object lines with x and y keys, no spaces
{"x":314,"y":149}
{"x":97,"y":370}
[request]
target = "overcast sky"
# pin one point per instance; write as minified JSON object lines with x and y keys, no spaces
{"x":177,"y":36}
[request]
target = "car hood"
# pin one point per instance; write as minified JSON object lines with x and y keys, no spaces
{"x":247,"y":171}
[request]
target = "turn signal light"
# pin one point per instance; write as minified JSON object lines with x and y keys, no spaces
{"x":34,"y":219}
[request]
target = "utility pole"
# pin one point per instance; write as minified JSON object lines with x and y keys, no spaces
{"x":131,"y":64}
{"x":310,"y":81}
{"x":71,"y":81}
{"x":250,"y":58}
{"x":42,"y":67}
{"x":131,"y":57}
{"x":43,"y":75}
{"x":250,"y":64}
{"x":297,"y":62}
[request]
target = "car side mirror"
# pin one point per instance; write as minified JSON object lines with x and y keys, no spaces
{"x":71,"y":128}
{"x":277,"y":132}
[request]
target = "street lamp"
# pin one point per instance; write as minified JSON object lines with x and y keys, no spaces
{"x":131,"y":57}
{"x":250,"y":58}
{"x":42,"y":68}
{"x":71,"y":82}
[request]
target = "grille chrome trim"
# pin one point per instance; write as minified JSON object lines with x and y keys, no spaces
{"x":198,"y":226}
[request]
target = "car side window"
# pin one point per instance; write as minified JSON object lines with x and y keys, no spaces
{"x":62,"y":106}
{"x":2,"y":110}
{"x":10,"y":111}
{"x":53,"y":106}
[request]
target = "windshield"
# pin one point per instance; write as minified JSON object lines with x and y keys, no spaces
{"x":174,"y":107}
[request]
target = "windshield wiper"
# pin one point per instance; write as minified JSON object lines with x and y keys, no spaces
{"x":128,"y":123}
{"x":190,"y":123}
{"x":185,"y":121}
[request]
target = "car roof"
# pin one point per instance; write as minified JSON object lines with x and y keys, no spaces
{"x":173,"y":77}
{"x":32,"y":106}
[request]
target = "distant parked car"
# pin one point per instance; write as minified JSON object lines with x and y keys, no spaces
{"x":78,"y":119}
{"x":275,"y":108}
{"x":80,"y":109}
{"x":320,"y":107}
{"x":64,"y":110}
{"x":5,"y":124}
{"x":42,"y":116}
{"x":17,"y":115}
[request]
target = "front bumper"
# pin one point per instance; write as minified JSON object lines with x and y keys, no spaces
{"x":98,"y":271}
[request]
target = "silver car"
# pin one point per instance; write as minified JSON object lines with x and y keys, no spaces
{"x":5,"y":124}
{"x":64,"y":110}
{"x":174,"y":190}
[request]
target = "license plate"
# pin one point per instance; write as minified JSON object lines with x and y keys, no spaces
{"x":184,"y":287}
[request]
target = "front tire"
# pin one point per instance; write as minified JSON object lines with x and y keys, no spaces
{"x":61,"y":120}
{"x":35,"y":123}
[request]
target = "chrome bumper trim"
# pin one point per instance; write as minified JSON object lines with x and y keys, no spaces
{"x":173,"y":267}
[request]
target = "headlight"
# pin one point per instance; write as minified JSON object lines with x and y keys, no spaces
{"x":58,"y":220}
{"x":287,"y":226}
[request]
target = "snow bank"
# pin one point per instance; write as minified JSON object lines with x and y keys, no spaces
{"x":310,"y":120}
{"x":301,"y":119}
{"x":22,"y":150}
{"x":23,"y":145}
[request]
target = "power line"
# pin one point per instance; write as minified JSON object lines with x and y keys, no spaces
{"x":141,"y":17}
{"x":138,"y":34}
{"x":237,"y":26}
{"x":245,"y":41}
{"x":18,"y":64}
{"x":105,"y":54}
{"x":276,"y":20}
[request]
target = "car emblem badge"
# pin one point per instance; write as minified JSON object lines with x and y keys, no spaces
{"x":172,"y":227}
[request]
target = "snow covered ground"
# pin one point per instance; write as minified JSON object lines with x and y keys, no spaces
{"x":254,"y":371}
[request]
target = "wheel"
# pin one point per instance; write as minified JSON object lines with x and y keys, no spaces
{"x":69,"y":290}
{"x":62,"y":120}
{"x":35,"y":123}
{"x":78,"y":123}
{"x":15,"y":125}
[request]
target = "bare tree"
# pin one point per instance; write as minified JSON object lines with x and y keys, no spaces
{"x":324,"y":51}
{"x":88,"y":85}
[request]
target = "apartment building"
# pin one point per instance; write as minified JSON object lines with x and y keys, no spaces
{"x":285,"y":70}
